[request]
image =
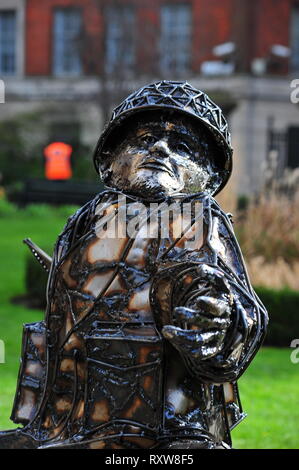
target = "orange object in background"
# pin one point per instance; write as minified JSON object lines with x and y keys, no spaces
{"x":58,"y":161}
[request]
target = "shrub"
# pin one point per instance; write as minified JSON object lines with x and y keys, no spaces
{"x":243,"y":202}
{"x":278,"y":274}
{"x":19,"y":157}
{"x":66,"y":210}
{"x":270,"y":228}
{"x":7,"y":209}
{"x":282,"y":306}
{"x":22,"y":142}
{"x":38,"y":210}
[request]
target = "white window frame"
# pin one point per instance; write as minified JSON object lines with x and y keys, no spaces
{"x":120,"y":48}
{"x":19,"y":7}
{"x":61,"y":36}
{"x":176,"y":27}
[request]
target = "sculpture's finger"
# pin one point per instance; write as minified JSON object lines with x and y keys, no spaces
{"x":214,"y":277}
{"x":189,"y":337}
{"x":212,"y":305}
{"x":192,"y":319}
{"x":207,"y":352}
{"x":198,"y":345}
{"x":186,"y":315}
{"x":204,"y":322}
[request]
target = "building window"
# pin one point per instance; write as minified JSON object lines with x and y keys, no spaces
{"x":120,"y":38}
{"x":175,"y":40}
{"x":8,"y":42}
{"x":294,"y":39}
{"x":67,"y":59}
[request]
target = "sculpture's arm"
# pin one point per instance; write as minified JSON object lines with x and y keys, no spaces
{"x":220,"y":330}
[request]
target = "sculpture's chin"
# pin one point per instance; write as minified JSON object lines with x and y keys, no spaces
{"x":146,"y":191}
{"x":150,"y":186}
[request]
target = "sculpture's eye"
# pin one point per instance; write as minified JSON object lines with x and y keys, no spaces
{"x":148,"y":139}
{"x":181,"y":147}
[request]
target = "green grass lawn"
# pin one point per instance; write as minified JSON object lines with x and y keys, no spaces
{"x":269,"y":389}
{"x":43,"y":230}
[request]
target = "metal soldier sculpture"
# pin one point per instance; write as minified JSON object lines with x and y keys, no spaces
{"x":144,"y":336}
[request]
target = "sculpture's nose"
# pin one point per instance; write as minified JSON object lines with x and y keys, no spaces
{"x":161,"y":148}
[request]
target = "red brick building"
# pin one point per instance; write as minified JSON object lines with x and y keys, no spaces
{"x":196,"y":25}
{"x":69,"y":59}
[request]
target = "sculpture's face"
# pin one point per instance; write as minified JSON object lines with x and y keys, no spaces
{"x":161,"y":157}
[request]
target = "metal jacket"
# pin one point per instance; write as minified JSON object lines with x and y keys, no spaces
{"x":97,"y":373}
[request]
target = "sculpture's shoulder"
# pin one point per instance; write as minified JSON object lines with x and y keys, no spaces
{"x":223,"y":243}
{"x":213,"y":213}
{"x":79,"y":223}
{"x":210,"y":202}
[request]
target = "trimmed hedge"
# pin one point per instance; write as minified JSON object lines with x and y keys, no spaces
{"x":283,"y":309}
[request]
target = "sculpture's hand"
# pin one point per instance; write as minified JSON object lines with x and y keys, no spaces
{"x":204,"y":330}
{"x":203,"y":323}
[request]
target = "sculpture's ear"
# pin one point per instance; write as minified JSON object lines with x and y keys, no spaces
{"x":105,"y":172}
{"x":105,"y":166}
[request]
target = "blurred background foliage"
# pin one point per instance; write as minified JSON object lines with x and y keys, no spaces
{"x":21,"y":152}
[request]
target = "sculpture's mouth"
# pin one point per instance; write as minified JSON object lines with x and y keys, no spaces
{"x":157,"y":164}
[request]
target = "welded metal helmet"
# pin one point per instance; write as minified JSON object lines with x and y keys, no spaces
{"x":178,"y":96}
